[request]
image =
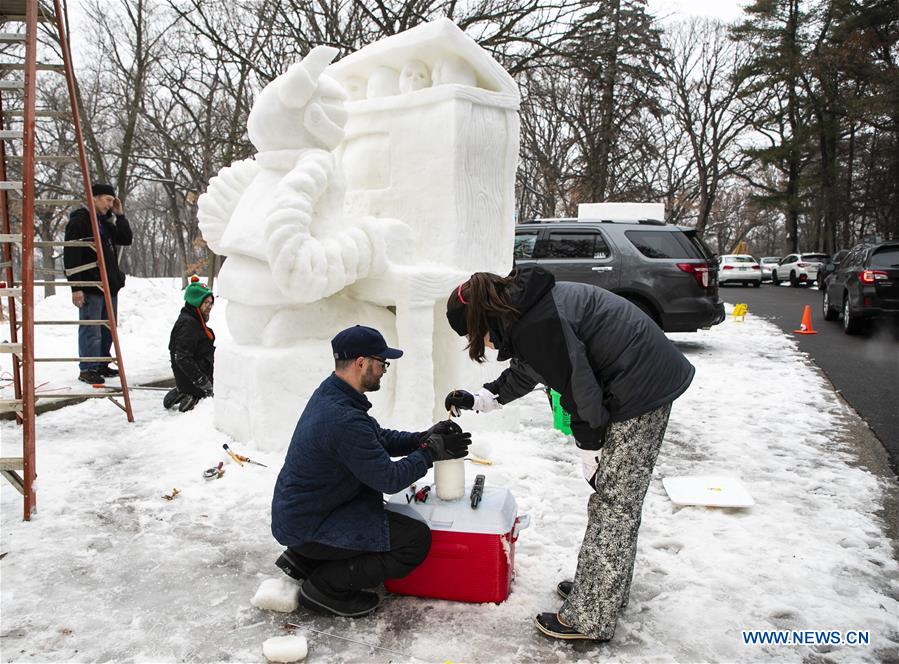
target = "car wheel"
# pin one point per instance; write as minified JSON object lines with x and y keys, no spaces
{"x":794,"y":282}
{"x":829,"y":312}
{"x":852,"y":324}
{"x":756,"y":284}
{"x":774,"y":280}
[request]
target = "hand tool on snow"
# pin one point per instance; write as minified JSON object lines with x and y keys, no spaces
{"x":477,"y":491}
{"x":240,"y":458}
{"x":214,"y":473}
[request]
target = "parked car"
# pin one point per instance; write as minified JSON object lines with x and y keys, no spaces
{"x":864,"y":287}
{"x":766,"y":263}
{"x":798,"y":269}
{"x":830,"y":266}
{"x":665,"y":270}
{"x":740,"y":268}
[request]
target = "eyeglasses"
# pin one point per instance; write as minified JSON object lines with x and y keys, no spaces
{"x":384,"y":363}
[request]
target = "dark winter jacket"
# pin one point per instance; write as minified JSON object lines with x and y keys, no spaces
{"x":608,"y":360}
{"x":337,"y":469}
{"x":192,"y":351}
{"x":111,"y":235}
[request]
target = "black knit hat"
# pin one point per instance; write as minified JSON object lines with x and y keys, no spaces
{"x":102,"y":189}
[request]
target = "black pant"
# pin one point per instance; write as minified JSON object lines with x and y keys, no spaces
{"x":339,"y":572}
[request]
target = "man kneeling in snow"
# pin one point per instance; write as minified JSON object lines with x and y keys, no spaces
{"x":328,"y":505}
{"x":192,"y":349}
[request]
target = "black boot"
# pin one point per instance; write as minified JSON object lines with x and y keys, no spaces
{"x":551,"y":625}
{"x":91,"y":378}
{"x":171,"y":397}
{"x":352,"y":604}
{"x":564,"y":588}
{"x":294,"y":565}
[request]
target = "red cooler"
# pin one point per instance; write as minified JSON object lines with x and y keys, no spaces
{"x":472,"y":556}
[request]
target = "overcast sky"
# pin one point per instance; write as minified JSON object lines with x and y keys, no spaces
{"x":725,"y":10}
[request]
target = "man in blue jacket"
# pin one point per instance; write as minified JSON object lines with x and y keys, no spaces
{"x":328,"y":504}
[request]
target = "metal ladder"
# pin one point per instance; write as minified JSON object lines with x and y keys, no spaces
{"x":20,"y":292}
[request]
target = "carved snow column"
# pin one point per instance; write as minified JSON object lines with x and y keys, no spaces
{"x":432,"y":140}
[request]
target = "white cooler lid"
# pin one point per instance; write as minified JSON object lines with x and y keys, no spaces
{"x":495,"y":514}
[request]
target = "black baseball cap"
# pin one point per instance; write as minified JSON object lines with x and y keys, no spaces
{"x":362,"y":341}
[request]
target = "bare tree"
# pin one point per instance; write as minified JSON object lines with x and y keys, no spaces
{"x":703,"y":82}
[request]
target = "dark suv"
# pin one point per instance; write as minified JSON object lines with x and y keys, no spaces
{"x":667,"y":271}
{"x":864,"y":286}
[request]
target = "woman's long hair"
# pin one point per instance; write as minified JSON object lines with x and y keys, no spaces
{"x":486,"y":303}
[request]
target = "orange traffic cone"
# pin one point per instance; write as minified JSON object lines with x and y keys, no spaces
{"x":805,"y":327}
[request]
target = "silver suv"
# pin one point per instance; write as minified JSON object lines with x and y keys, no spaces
{"x":665,"y":270}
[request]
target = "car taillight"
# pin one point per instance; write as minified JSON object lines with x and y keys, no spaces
{"x":756,"y":267}
{"x":699,"y":272}
{"x":728,"y":267}
{"x":870,"y":276}
{"x":801,"y":264}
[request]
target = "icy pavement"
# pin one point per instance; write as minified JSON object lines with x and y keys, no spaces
{"x":108,"y":570}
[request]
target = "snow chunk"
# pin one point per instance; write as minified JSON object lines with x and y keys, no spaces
{"x":285,"y":648}
{"x":277,"y":595}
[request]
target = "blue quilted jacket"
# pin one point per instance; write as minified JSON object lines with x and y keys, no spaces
{"x":338,"y":466}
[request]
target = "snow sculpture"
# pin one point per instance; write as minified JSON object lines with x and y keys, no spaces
{"x":454,"y":69}
{"x":414,"y":76}
{"x":383,"y":82}
{"x":373,"y":192}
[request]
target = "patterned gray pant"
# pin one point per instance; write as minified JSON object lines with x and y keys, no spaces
{"x":605,"y":564}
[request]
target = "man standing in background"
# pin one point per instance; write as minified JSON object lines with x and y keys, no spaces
{"x":81,"y":265}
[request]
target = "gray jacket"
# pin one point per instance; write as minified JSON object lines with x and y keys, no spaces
{"x":608,"y":360}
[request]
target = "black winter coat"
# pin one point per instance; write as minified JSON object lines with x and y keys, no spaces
{"x":192,"y":351}
{"x":608,"y":360}
{"x":111,"y":236}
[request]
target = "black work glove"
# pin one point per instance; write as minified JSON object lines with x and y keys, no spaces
{"x":443,"y":426}
{"x":458,"y":399}
{"x":187,"y":402}
{"x":205,"y":386}
{"x":446,"y":446}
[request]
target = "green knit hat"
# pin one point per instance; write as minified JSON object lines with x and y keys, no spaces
{"x":196,"y":292}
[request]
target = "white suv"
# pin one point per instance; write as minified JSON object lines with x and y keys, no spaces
{"x":798,"y":269}
{"x":741,"y":268}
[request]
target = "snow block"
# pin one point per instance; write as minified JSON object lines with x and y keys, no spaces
{"x":285,"y":648}
{"x":277,"y":595}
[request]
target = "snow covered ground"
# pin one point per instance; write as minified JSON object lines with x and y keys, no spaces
{"x":108,"y":570}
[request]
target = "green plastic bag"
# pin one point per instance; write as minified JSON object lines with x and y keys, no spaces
{"x":561,"y":418}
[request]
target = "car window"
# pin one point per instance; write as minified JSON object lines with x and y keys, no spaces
{"x":789,"y":259}
{"x":770,"y":260}
{"x":885,"y":257}
{"x":704,"y":249}
{"x":664,"y":244}
{"x":740,"y":259}
{"x":524,"y":244}
{"x":573,"y":244}
{"x":814,"y":257}
{"x":851,"y":259}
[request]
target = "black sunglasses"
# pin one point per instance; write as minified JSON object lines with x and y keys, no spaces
{"x":382,"y":361}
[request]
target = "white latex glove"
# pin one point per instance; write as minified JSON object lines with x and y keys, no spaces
{"x":590,"y":464}
{"x":485,"y":401}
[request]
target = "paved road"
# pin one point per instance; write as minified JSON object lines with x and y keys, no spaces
{"x":864,"y":368}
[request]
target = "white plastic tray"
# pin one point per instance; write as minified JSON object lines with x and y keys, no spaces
{"x":708,"y":490}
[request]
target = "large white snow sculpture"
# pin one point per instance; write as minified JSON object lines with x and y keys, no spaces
{"x":364,"y":208}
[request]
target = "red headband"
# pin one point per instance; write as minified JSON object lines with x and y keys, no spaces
{"x":459,"y":293}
